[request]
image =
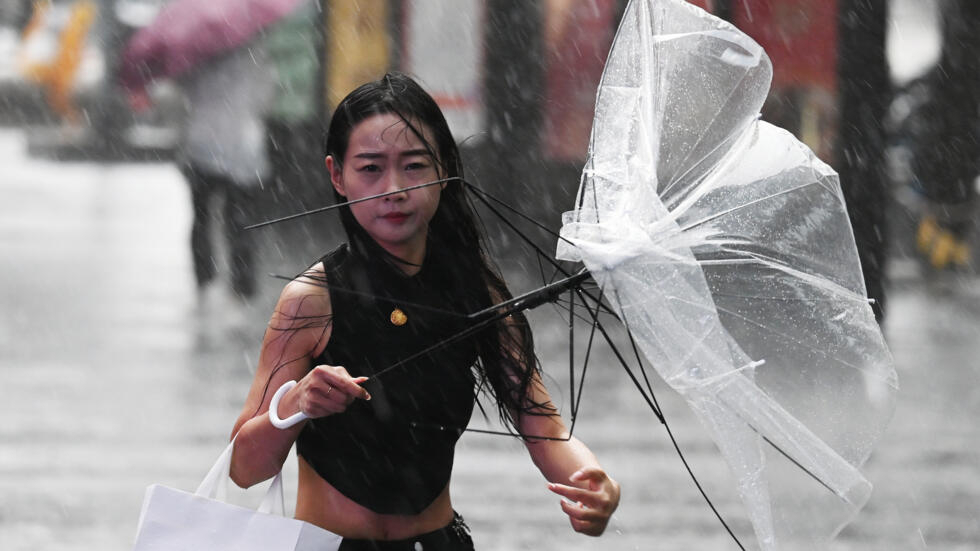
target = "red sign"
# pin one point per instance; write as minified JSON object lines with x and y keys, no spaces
{"x":706,"y":5}
{"x":578,"y":36}
{"x":800,"y":37}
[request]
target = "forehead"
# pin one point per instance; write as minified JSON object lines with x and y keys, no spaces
{"x":386,"y":132}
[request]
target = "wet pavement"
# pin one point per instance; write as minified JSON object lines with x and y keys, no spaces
{"x":114,"y":377}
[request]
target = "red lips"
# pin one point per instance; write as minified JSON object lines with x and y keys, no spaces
{"x":395,"y":217}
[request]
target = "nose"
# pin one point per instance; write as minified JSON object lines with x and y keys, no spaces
{"x":395,"y":186}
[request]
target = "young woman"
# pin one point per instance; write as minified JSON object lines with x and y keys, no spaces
{"x":376,"y":453}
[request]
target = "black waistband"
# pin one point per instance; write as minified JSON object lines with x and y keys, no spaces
{"x":455,"y":536}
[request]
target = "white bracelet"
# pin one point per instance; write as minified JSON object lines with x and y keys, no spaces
{"x":274,"y":409}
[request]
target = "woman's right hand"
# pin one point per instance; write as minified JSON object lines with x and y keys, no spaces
{"x":328,"y":389}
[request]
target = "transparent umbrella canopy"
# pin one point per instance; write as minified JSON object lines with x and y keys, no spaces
{"x":724,"y":245}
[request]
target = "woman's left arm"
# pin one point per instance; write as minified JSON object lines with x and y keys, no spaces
{"x":591,"y":495}
{"x":573,"y":472}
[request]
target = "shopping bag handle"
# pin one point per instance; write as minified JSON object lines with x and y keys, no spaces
{"x":274,"y":409}
{"x":274,"y":502}
{"x":215,"y":485}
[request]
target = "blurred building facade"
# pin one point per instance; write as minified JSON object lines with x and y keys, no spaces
{"x":516,"y":79}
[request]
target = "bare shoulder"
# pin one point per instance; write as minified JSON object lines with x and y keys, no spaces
{"x":305,"y":298}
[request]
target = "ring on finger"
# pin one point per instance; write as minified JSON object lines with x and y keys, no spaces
{"x":329,"y":390}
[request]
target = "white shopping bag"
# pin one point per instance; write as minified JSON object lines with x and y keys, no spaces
{"x":174,"y":520}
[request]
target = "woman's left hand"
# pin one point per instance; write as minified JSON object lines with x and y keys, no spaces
{"x":590,"y":507}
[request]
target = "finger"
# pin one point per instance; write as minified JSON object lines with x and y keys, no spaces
{"x":341,"y":380}
{"x":335,"y":398}
{"x":351,"y":388}
{"x":338,"y":377}
{"x":362,"y":392}
{"x":324,"y":399}
{"x":580,"y":511}
{"x":580,"y":495}
{"x":326,"y":409}
{"x":325,"y":394}
{"x":318,"y":409}
{"x":584,"y":520}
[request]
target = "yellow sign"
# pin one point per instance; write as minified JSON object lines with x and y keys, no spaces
{"x":52,"y":51}
{"x":357,"y":46}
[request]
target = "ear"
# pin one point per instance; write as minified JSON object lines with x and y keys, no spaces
{"x":336,"y":174}
{"x":442,"y":176}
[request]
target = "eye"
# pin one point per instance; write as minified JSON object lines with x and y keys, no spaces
{"x":416,"y":165}
{"x":369,"y":168}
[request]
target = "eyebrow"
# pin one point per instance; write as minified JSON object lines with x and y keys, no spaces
{"x":406,"y":153}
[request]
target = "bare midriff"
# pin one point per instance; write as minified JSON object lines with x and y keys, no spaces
{"x":319,"y":503}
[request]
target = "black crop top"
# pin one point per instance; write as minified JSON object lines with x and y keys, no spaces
{"x":389,"y":454}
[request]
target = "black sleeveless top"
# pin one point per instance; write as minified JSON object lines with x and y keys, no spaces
{"x":393,"y":454}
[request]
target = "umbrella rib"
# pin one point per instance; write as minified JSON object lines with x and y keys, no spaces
{"x":575,"y":315}
{"x":577,"y":399}
{"x":348,"y":203}
{"x":636,"y":354}
{"x":344,"y":290}
{"x":571,"y":358}
{"x":574,"y":415}
{"x":779,"y":299}
{"x":482,"y":195}
{"x":818,"y":351}
{"x":749,"y":204}
{"x":817,"y":281}
{"x":756,"y":430}
{"x":779,"y":265}
{"x":735,"y":134}
{"x":651,"y":401}
{"x":749,"y":424}
{"x":759,"y":325}
{"x":541,"y":226}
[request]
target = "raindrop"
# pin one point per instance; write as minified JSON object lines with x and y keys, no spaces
{"x":748,"y":11}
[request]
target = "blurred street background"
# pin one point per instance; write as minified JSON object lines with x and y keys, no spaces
{"x":117,"y":371}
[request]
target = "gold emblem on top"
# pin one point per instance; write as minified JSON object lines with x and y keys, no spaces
{"x":398,"y":317}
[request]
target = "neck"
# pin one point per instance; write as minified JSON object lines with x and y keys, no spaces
{"x":409,"y":256}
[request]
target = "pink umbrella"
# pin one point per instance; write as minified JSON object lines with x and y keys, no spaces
{"x":187,"y":33}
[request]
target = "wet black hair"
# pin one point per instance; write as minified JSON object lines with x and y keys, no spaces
{"x":507,"y":364}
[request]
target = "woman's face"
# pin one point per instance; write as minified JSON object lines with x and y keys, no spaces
{"x":384,"y":155}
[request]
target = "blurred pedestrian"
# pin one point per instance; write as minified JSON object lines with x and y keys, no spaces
{"x":946,"y":160}
{"x":224,"y":158}
{"x":215,"y":52}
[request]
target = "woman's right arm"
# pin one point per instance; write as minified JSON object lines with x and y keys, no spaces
{"x":297,"y":333}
